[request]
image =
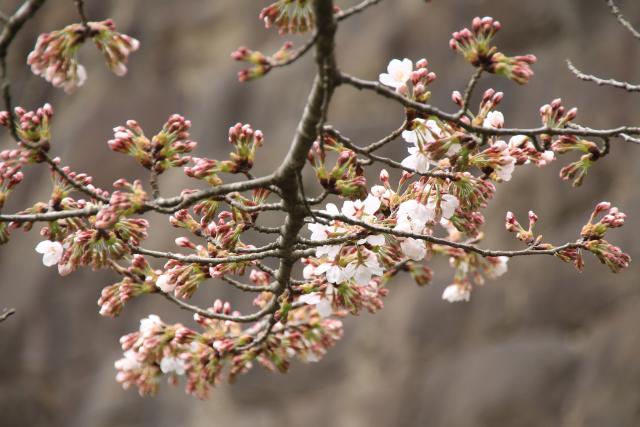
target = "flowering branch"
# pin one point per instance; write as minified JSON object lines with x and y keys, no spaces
{"x":455,"y":162}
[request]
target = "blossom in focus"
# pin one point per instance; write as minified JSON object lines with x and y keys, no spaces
{"x":51,"y":252}
{"x":494,"y":120}
{"x":398,"y":74}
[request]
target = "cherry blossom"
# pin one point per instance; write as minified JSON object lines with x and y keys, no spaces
{"x":361,"y":208}
{"x":323,"y":304}
{"x":364,"y":271}
{"x":413,"y":215}
{"x":166,"y":283}
{"x":494,"y":119}
{"x":413,"y":248}
{"x":456,"y":293}
{"x":170,"y":365}
{"x":398,"y":74}
{"x":51,"y":252}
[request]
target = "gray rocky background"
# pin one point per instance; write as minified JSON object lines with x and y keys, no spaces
{"x":542,"y":346}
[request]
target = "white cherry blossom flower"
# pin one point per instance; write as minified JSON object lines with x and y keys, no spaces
{"x":505,"y":171}
{"x":373,"y":240}
{"x":363,"y":272}
{"x":417,"y":160}
{"x":51,"y":252}
{"x":149,"y":324}
{"x":456,"y":293}
{"x":129,"y":362}
{"x":355,"y":209}
{"x":412,"y":216}
{"x":323,"y":304}
{"x":424,"y":133}
{"x":398,"y":73}
{"x":413,"y":248}
{"x":497,"y":266}
{"x":164,"y":283}
{"x":495,"y":120}
{"x":448,"y":204}
{"x":172,"y":364}
{"x":334,"y":273}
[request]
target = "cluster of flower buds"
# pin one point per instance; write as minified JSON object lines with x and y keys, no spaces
{"x":115,"y":47}
{"x":289,"y":16}
{"x":612,"y":219}
{"x":555,"y":116}
{"x":183,"y":279}
{"x":246,"y":141}
{"x":204,"y":169}
{"x":62,"y":186}
{"x":475,"y":46}
{"x":139,"y":280}
{"x":11,"y":163}
{"x":593,"y":234}
{"x":158,"y":349}
{"x":524,"y":235}
{"x":346,"y":178}
{"x":408,"y":82}
{"x":261,"y":64}
{"x":167,"y":149}
{"x":55,"y":54}
{"x":32,"y":127}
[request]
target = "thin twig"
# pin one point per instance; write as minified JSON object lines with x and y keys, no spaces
{"x":602,"y":82}
{"x":6,"y":313}
{"x":355,"y":9}
{"x":621,"y":19}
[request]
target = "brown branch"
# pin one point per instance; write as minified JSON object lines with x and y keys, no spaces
{"x":466,"y":98}
{"x":249,"y":318}
{"x":390,"y":162}
{"x":449,"y":243}
{"x":435,"y":112}
{"x":384,"y":141}
{"x":602,"y":82}
{"x":50,"y":216}
{"x":355,"y":9}
{"x":194,"y":259}
{"x":81,"y":13}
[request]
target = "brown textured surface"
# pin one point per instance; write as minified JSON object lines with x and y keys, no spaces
{"x":541,"y":346}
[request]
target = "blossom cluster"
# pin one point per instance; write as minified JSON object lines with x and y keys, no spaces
{"x":54,"y":57}
{"x":475,"y":46}
{"x":363,"y":237}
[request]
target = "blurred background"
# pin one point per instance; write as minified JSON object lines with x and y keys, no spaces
{"x":541,"y":346}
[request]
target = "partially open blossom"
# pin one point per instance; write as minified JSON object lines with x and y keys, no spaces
{"x":456,"y":293}
{"x":55,"y":54}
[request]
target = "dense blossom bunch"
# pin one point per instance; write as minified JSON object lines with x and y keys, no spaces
{"x":55,"y":55}
{"x":289,"y":16}
{"x":475,"y":46}
{"x":349,"y":250}
{"x":163,"y":151}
